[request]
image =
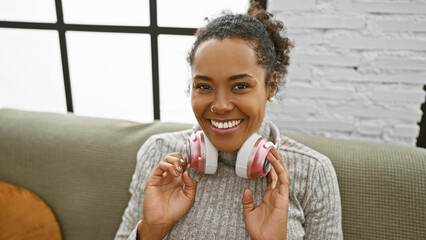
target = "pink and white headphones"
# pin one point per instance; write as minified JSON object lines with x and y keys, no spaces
{"x":251,"y":158}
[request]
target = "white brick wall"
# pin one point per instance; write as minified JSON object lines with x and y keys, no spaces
{"x":357,"y":70}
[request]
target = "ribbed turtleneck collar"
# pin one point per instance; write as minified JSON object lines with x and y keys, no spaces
{"x":230,"y":158}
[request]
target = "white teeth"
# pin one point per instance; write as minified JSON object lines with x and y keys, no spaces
{"x":224,"y":125}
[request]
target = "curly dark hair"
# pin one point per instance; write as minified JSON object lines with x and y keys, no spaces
{"x":258,"y":28}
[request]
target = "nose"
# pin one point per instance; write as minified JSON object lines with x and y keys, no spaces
{"x":222,"y":104}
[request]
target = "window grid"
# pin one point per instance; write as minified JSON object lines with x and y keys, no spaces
{"x":154,"y":30}
{"x":62,"y":27}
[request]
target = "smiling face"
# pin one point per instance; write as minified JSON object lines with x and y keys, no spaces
{"x":226,"y":75}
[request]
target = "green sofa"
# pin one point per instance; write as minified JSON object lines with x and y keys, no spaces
{"x":82,"y":167}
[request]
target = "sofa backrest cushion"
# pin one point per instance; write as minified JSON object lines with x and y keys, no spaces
{"x":382,"y":187}
{"x":80,"y":166}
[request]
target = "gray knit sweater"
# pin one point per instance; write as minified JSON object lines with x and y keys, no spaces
{"x":314,"y":201}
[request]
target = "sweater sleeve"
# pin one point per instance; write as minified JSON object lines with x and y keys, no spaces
{"x":323,"y":217}
{"x":148,"y":158}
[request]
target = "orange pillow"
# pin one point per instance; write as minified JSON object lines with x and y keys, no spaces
{"x":23,"y":215}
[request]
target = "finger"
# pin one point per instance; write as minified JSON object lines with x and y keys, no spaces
{"x":279,"y":167}
{"x":177,"y":161}
{"x":286,"y":176}
{"x":182,"y":159}
{"x":272,"y":179}
{"x":277,"y":156}
{"x":248,"y":204}
{"x":165,"y":167}
{"x":190,"y":186}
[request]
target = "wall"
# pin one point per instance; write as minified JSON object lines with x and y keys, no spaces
{"x":357,"y":70}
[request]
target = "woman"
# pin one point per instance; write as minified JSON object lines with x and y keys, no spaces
{"x":238,"y":63}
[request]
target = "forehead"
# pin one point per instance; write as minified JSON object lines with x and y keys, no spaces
{"x":229,"y":55}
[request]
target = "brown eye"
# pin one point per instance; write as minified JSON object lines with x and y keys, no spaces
{"x":240,"y":86}
{"x":203,"y":87}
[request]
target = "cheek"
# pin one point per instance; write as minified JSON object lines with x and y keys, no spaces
{"x":253,"y":106}
{"x":198,"y":106}
{"x":194,"y":105}
{"x":258,"y":109}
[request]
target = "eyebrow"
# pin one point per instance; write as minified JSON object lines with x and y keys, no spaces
{"x":202,"y":77}
{"x":238,"y":76}
{"x":232,"y":78}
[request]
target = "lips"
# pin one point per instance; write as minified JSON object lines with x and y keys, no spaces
{"x":225,"y":124}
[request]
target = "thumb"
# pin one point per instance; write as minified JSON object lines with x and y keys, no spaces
{"x":248,"y":204}
{"x":190,"y":186}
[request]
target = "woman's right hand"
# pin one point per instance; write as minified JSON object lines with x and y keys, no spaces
{"x":166,"y":200}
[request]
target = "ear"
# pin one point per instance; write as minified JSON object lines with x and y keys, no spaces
{"x":272,"y":85}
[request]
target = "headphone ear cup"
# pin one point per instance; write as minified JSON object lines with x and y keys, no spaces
{"x":202,"y":155}
{"x":244,"y":156}
{"x":251,"y":159}
{"x":211,"y":156}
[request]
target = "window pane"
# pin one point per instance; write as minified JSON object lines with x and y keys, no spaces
{"x":30,"y":70}
{"x":191,"y":13}
{"x":28,"y":10}
{"x":107,"y":12}
{"x":175,"y":104}
{"x":111,"y":75}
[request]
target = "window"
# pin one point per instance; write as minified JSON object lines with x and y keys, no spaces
{"x":102,"y":58}
{"x":30,"y":70}
{"x":111,"y":75}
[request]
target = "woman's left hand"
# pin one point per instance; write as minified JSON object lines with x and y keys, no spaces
{"x":269,"y":219}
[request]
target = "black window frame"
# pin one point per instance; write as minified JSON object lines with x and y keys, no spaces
{"x":153,"y":30}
